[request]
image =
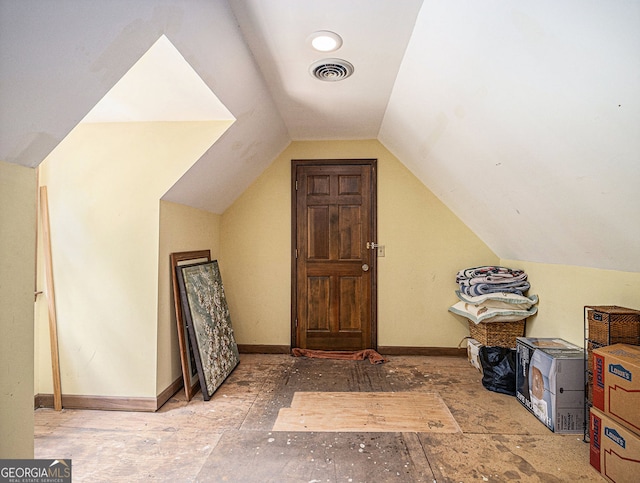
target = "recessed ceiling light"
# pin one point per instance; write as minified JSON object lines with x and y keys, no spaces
{"x":325,"y":41}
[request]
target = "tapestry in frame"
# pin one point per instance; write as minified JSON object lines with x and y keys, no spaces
{"x":207,"y":317}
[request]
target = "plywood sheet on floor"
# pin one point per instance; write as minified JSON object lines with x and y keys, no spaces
{"x":134,"y":455}
{"x":366,"y":411}
{"x":309,"y":375}
{"x":282,"y":457}
{"x":478,"y":410}
{"x":549,"y":458}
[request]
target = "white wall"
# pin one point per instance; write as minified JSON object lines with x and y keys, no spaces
{"x":17,"y":270}
{"x":182,"y":229}
{"x":105,"y":182}
{"x":112,"y":238}
{"x":564,"y":291}
{"x":426,"y":244}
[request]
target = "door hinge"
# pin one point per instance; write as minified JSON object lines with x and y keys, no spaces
{"x":296,"y":185}
{"x":296,"y":253}
{"x":296,"y":323}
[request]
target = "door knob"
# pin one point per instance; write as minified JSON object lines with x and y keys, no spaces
{"x":365,"y":267}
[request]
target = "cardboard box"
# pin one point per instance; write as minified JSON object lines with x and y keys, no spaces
{"x":550,"y":382}
{"x":613,"y":450}
{"x":473,"y":353}
{"x":616,"y":383}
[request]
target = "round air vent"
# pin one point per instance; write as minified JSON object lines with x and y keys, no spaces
{"x":331,"y":70}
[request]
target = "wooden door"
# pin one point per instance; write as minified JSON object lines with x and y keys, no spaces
{"x":334,"y":262}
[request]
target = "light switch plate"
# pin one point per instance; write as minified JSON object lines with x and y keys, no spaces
{"x":381,"y":250}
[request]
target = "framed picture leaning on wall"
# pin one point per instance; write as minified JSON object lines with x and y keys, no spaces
{"x":187,"y":359}
{"x":206,"y":315}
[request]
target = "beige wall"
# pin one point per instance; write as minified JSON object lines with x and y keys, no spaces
{"x":17,"y":256}
{"x":565,"y":290}
{"x":105,"y":182}
{"x":255,"y":258}
{"x":425,"y":246}
{"x":112,"y":238}
{"x":182,"y":229}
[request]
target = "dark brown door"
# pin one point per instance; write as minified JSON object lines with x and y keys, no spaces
{"x":334,"y":262}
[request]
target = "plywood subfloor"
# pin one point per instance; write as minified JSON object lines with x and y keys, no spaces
{"x":366,"y":412}
{"x":231,"y":437}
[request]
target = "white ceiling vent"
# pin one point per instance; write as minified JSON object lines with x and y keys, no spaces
{"x":331,"y":70}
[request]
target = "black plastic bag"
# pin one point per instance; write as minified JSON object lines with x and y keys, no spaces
{"x":499,"y":369}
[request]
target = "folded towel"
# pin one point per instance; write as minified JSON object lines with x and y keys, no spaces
{"x":490,"y":274}
{"x":495,"y":278}
{"x":518,"y":287}
{"x":499,"y":300}
{"x":481,"y":314}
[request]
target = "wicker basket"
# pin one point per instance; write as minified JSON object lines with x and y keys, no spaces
{"x":610,"y":324}
{"x":500,"y":334}
{"x":591,"y":346}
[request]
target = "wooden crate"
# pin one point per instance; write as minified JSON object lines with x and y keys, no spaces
{"x":500,"y":334}
{"x":610,"y":324}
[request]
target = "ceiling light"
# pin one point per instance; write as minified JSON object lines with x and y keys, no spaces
{"x":325,"y":41}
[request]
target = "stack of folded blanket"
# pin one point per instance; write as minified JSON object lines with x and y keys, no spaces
{"x":493,"y":294}
{"x":483,"y":280}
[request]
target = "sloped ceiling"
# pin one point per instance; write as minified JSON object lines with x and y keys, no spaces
{"x":59,"y":58}
{"x":523,"y":117}
{"x":161,"y":86}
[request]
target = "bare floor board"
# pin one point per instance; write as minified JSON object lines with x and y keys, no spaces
{"x":291,"y":457}
{"x":550,"y":457}
{"x":231,"y":437}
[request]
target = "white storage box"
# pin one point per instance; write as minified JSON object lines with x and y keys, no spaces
{"x":550,"y":382}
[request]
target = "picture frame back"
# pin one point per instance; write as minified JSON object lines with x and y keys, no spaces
{"x":187,"y":358}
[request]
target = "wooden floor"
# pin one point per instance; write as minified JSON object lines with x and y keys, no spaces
{"x":231,"y":437}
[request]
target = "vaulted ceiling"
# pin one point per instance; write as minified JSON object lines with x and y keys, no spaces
{"x":523,"y":117}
